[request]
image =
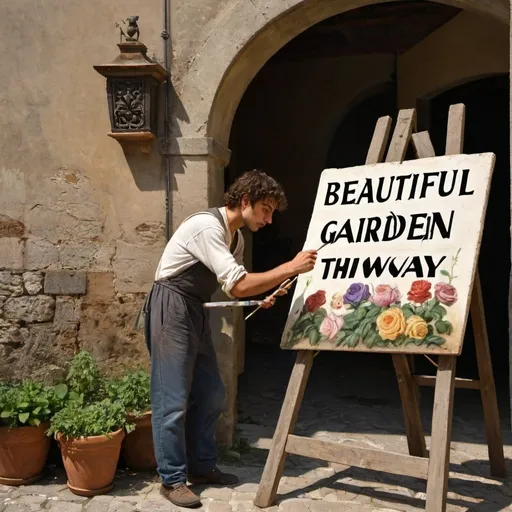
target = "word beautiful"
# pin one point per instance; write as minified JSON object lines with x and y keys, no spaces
{"x":413,"y":226}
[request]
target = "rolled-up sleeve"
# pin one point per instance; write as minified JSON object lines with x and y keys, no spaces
{"x":210,"y":248}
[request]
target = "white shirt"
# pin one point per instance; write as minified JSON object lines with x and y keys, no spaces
{"x":202,"y":238}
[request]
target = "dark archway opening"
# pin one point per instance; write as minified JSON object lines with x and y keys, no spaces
{"x":292,"y":123}
{"x":487,"y":130}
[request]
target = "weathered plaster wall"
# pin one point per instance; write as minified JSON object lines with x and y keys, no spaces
{"x":70,"y":197}
{"x":468,"y":47}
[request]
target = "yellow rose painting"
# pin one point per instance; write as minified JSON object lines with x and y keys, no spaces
{"x":391,"y":324}
{"x":416,"y":328}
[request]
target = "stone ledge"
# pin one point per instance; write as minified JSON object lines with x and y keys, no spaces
{"x":64,"y":282}
{"x":200,"y":146}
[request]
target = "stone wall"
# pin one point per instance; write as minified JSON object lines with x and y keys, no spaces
{"x":73,"y":201}
{"x":48,"y":316}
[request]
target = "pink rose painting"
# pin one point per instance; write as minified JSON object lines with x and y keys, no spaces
{"x":445,"y":293}
{"x":331,"y":325}
{"x":385,"y":295}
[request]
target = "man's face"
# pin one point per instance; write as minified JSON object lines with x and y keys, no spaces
{"x":259,"y":214}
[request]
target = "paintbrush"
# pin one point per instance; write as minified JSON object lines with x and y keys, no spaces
{"x":285,"y":285}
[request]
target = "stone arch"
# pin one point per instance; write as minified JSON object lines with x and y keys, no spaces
{"x":247,"y":36}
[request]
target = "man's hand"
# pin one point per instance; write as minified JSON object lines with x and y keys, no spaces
{"x":282,"y":290}
{"x":268,"y":302}
{"x":303,"y":262}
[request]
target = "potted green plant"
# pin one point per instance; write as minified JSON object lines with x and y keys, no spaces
{"x":90,"y":438}
{"x":84,"y":379}
{"x":25,"y":409}
{"x":132,"y":391}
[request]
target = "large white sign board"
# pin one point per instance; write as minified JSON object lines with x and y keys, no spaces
{"x":403,"y":244}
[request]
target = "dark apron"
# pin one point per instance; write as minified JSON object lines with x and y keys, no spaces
{"x":196,"y":285}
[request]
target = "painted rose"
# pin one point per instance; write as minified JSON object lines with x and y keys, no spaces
{"x":420,"y":291}
{"x":384,"y":295}
{"x":357,"y":293}
{"x":337,"y":301}
{"x":391,"y":324}
{"x":445,"y":293}
{"x":314,"y":301}
{"x":330,"y":326}
{"x":416,"y":328}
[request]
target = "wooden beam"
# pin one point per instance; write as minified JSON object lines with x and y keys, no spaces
{"x":423,"y":145}
{"x":487,"y":385}
{"x":410,"y":406}
{"x":274,"y":466}
{"x":401,"y":135}
{"x":430,"y":381}
{"x":379,"y":140}
{"x":437,"y":484}
{"x":454,"y":145}
{"x":375,"y":460}
{"x":455,"y":130}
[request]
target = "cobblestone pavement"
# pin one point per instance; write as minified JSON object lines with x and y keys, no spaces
{"x":354,"y":404}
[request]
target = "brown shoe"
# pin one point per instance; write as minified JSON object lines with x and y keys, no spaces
{"x":215,"y":477}
{"x":180,"y":495}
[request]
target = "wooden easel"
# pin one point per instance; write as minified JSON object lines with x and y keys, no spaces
{"x":418,"y":463}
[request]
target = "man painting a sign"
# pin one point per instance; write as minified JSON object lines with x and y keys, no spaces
{"x":205,"y":250}
{"x":397,"y":272}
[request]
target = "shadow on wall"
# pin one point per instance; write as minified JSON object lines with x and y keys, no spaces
{"x":147,"y":161}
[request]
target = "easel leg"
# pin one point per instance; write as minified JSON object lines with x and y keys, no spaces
{"x":437,"y":484}
{"x":487,"y":386}
{"x":410,"y":406}
{"x":275,"y":462}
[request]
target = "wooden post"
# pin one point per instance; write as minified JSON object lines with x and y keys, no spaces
{"x":437,"y":483}
{"x":410,"y":406}
{"x":487,"y":386}
{"x":455,"y":145}
{"x":275,"y":462}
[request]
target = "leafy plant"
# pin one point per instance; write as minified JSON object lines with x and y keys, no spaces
{"x":95,"y":419}
{"x":84,"y":378}
{"x":132,"y":391}
{"x":30,"y":403}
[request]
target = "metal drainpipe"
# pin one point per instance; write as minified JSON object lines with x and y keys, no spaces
{"x":167,"y":85}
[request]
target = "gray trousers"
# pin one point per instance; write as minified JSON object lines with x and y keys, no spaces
{"x":187,"y":393}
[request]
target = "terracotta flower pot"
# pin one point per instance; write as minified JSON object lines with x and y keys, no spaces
{"x":91,"y":462}
{"x":23,"y":453}
{"x":138,"y":449}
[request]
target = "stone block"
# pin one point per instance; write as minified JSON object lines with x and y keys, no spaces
{"x":65,"y":282}
{"x":100,"y":287}
{"x":11,"y":285}
{"x":217,"y":493}
{"x":15,"y":506}
{"x":12,"y":334}
{"x":134,"y":266}
{"x":67,"y":311}
{"x":11,"y":253}
{"x":120,"y":506}
{"x":106,"y":331}
{"x":219,"y":506}
{"x":33,"y":502}
{"x":33,"y":282}
{"x":39,"y":308}
{"x":40,"y":254}
{"x":64,"y":506}
{"x":77,"y":256}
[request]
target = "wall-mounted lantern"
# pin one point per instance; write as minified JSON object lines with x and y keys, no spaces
{"x":133,"y":81}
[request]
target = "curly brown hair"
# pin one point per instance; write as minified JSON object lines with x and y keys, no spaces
{"x":257,"y":185}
